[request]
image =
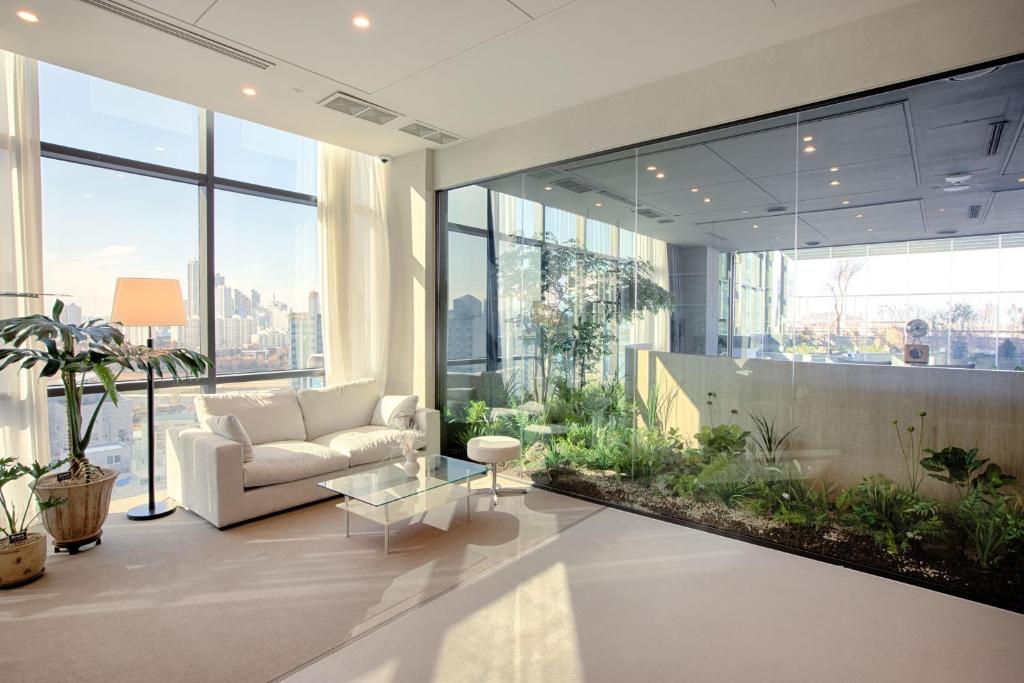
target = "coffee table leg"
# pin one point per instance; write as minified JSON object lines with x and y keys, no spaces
{"x":387,"y":528}
{"x":469,"y":492}
{"x":346,"y":517}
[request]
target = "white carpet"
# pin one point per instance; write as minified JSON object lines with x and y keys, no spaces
{"x":620,"y":597}
{"x":177,"y":600}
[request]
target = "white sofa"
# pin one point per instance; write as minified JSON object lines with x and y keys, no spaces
{"x":299,"y":439}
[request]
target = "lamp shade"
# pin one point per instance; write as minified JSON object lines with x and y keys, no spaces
{"x":148,"y":302}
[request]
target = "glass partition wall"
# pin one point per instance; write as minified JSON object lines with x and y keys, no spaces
{"x":806,"y":330}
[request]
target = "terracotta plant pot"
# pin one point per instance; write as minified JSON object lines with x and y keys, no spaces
{"x":80,"y":520}
{"x":22,"y":562}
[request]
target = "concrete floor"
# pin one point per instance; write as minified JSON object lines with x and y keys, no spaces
{"x":620,"y":597}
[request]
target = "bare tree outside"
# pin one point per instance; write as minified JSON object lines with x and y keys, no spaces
{"x":843,"y":272}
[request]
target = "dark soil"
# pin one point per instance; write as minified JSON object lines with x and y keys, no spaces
{"x":939,"y":566}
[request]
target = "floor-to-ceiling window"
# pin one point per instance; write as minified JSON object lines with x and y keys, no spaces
{"x":137,"y":185}
{"x":806,"y":329}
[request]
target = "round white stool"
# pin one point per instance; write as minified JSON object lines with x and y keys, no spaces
{"x":493,"y":451}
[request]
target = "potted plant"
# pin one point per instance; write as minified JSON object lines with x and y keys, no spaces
{"x":72,"y":352}
{"x":22,"y":553}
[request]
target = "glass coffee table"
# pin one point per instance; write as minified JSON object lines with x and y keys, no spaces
{"x":386,"y":493}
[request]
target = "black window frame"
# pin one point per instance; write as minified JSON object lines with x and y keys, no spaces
{"x":206,"y":183}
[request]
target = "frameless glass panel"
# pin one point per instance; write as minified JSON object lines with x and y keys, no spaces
{"x":762,"y":328}
{"x":266,"y":299}
{"x":266,"y":156}
{"x":76,"y":110}
{"x":136,"y":227}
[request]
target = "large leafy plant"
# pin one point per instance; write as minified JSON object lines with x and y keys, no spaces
{"x":73,"y":352}
{"x":960,"y":468}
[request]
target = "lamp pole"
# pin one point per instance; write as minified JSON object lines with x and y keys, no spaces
{"x":153,"y":509}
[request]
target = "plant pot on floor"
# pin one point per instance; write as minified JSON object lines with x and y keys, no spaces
{"x":80,"y":520}
{"x":22,"y":562}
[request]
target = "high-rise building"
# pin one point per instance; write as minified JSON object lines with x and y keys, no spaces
{"x":302,"y":331}
{"x":466,"y":328}
{"x":72,"y":314}
{"x":224,"y":302}
{"x":243,"y":304}
{"x":314,"y":303}
{"x":254,"y":297}
{"x":195,"y":290}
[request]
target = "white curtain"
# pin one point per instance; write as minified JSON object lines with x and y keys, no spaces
{"x":23,"y":424}
{"x":652,"y":330}
{"x":354,"y":264}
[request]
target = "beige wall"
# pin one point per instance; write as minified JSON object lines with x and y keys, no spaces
{"x":843,"y":412}
{"x":910,"y":42}
{"x":410,"y":201}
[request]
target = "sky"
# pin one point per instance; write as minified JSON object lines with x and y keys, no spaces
{"x":99,"y":224}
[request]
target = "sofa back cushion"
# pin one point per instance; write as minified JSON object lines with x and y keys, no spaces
{"x":343,"y":406}
{"x":266,"y":415}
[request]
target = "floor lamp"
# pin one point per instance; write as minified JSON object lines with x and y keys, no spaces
{"x":149,"y":302}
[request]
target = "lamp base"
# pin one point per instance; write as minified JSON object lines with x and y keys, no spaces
{"x":144,"y":511}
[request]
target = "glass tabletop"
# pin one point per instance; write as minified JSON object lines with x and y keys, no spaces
{"x":389,"y":482}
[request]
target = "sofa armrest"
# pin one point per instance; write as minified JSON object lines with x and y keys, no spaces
{"x":204,"y":473}
{"x":428,"y":421}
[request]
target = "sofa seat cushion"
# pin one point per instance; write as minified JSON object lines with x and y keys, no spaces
{"x":369,"y":443}
{"x":266,"y":415}
{"x":284,"y":461}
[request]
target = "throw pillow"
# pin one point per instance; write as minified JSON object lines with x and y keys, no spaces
{"x":395,"y":411}
{"x":230,"y":427}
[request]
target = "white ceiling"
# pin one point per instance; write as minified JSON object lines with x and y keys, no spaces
{"x":465,"y":66}
{"x":755,"y":186}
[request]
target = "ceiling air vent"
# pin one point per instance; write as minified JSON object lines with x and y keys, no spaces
{"x":426,"y":132}
{"x":622,"y":199}
{"x":573,"y":186}
{"x":973,"y":211}
{"x":130,"y":13}
{"x":667,"y":220}
{"x":994,"y":137}
{"x":650,"y":213}
{"x":775,"y":209}
{"x":353,"y":106}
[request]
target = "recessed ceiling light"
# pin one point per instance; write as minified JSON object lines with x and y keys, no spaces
{"x":159,"y":149}
{"x":547,"y":188}
{"x":28,"y":17}
{"x":845,"y":202}
{"x":652,"y":168}
{"x":870,"y":229}
{"x":859,"y":215}
{"x":941,"y":210}
{"x":361,"y":21}
{"x":754,"y":226}
{"x":834,"y":183}
{"x":834,"y":169}
{"x":597,"y":204}
{"x":694,"y":189}
{"x":810,"y":148}
{"x":744,"y":211}
{"x":707,"y":200}
{"x":1021,"y":179}
{"x":660,"y":176}
{"x":808,"y":138}
{"x":88,"y":196}
{"x":249,"y":91}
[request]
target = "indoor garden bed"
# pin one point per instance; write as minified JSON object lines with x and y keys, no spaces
{"x":737,"y":477}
